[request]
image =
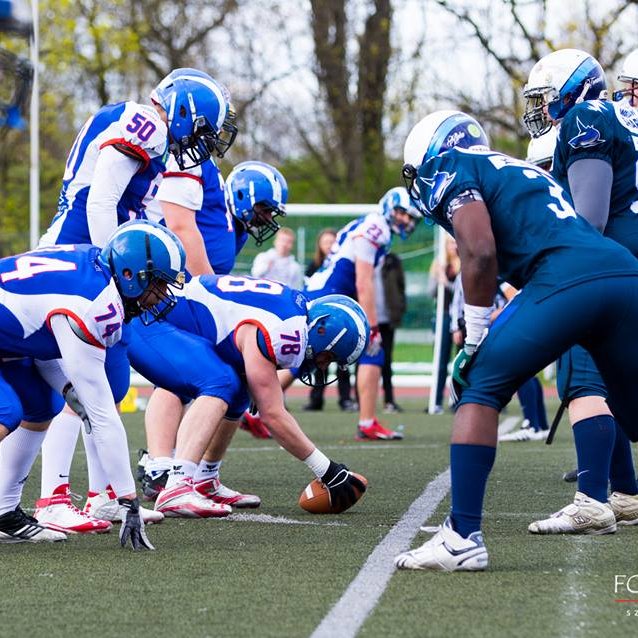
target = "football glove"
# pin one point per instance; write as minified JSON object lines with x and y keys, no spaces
{"x":341,"y":484}
{"x":374,"y":345}
{"x":133,"y":526}
{"x":73,"y":401}
{"x":462,"y":363}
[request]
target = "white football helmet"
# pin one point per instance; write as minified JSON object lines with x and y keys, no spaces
{"x":556,"y":83}
{"x":398,"y":199}
{"x":629,"y":75}
{"x":434,"y":134}
{"x":540,"y":150}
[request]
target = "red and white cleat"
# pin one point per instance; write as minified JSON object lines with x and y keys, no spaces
{"x":58,"y":513}
{"x":376,"y":432}
{"x":104,"y":505}
{"x":214,"y":490}
{"x":184,"y":501}
{"x":255,"y":426}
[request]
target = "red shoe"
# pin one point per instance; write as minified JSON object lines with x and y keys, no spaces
{"x":255,"y":426}
{"x":218,"y":493}
{"x":183,"y":501}
{"x":58,"y":513}
{"x":376,"y":432}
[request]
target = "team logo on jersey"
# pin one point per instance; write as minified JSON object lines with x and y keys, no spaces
{"x":437,"y":184}
{"x":588,"y":135}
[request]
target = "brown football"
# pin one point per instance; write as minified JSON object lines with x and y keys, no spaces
{"x":315,"y":497}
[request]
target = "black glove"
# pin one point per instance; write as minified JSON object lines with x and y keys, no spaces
{"x":341,"y":484}
{"x":73,"y":401}
{"x":133,"y":525}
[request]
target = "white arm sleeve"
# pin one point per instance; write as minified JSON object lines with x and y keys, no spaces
{"x":364,"y":249}
{"x":113,"y":172}
{"x":83,"y":365}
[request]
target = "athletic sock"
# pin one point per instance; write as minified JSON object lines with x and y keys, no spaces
{"x":622,"y":474}
{"x":470,"y":467}
{"x":58,"y":450}
{"x":527,"y":397}
{"x":18,"y":452}
{"x":207,"y":470}
{"x":366,"y":423}
{"x":180,"y":471}
{"x":594,"y":438}
{"x":98,"y":481}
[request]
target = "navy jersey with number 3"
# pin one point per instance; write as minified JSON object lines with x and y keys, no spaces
{"x":531,"y":215}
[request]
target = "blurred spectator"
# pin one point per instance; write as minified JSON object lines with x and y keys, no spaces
{"x":278,"y":263}
{"x":445,"y":274}
{"x":391,"y":305}
{"x":324,"y":242}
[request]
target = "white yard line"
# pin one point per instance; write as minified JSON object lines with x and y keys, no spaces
{"x":359,"y":600}
{"x":369,"y":446}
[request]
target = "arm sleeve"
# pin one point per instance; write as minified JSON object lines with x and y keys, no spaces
{"x":113,"y":172}
{"x":590,"y":183}
{"x":83,"y":366}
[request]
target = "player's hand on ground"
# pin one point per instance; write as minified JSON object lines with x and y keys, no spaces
{"x":342,"y":485}
{"x":133,"y":526}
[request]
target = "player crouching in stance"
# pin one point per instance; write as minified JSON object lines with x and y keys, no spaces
{"x":513,"y":220}
{"x":241,"y":330}
{"x":65,"y":306}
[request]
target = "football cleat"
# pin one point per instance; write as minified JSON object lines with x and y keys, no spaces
{"x":57,"y":512}
{"x":447,"y":551}
{"x":18,"y":527}
{"x":184,"y":501}
{"x":624,"y":507}
{"x":142,"y":460}
{"x":253,"y":424}
{"x":104,"y":505}
{"x":525,"y":433}
{"x":571,"y":476}
{"x":218,"y":493}
{"x":376,"y":432}
{"x":584,"y":516}
{"x":153,"y":483}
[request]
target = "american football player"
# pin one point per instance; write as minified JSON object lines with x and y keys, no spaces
{"x":595,"y":161}
{"x":112,"y":172}
{"x":349,"y":269}
{"x":239,"y":330}
{"x":66,"y":306}
{"x":254,"y":193}
{"x":513,"y":220}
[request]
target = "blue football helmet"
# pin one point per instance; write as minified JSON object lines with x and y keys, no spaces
{"x":200,"y":118}
{"x":139,"y":254}
{"x":256,"y":193}
{"x":398,"y":199}
{"x":556,"y":83}
{"x":336,"y":325}
{"x":434,"y":134}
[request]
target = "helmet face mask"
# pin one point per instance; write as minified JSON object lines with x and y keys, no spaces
{"x":629,"y":75}
{"x":256,"y":193}
{"x":146,"y":262}
{"x":400,"y":211}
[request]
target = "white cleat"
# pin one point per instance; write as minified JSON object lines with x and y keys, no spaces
{"x":219,"y":493}
{"x":18,"y":527}
{"x":105,"y":506}
{"x":57,"y":512}
{"x":184,"y":501}
{"x":447,"y":551}
{"x":625,"y":508}
{"x":584,"y":516}
{"x":525,"y":433}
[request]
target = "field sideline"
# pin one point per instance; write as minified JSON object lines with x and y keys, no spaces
{"x":279,"y":571}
